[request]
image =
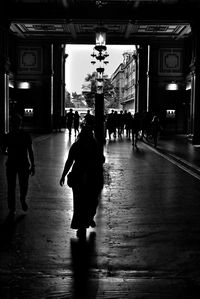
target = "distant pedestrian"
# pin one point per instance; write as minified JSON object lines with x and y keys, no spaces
{"x":17,"y":145}
{"x":111,"y":124}
{"x":155,"y":127}
{"x":125,"y":116}
{"x":129,"y":121}
{"x":115,"y":120}
{"x":69,"y":120}
{"x":76,"y":122}
{"x":120,"y":124}
{"x":86,"y":159}
{"x":146,"y":119}
{"x":135,"y":129}
{"x":89,"y":120}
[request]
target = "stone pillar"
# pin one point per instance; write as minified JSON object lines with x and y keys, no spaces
{"x":59,"y":82}
{"x":44,"y":102}
{"x":4,"y":80}
{"x":99,"y":119}
{"x":136,"y":57}
{"x":195,"y":85}
{"x":148,"y":78}
{"x":191,"y":119}
{"x":142,"y":79}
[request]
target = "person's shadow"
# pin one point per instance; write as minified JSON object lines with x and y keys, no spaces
{"x":84,"y":258}
{"x":7,"y":231}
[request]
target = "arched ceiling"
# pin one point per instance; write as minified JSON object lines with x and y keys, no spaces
{"x":127,"y":21}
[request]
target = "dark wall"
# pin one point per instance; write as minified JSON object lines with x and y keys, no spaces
{"x":170,"y":62}
{"x":31,"y":62}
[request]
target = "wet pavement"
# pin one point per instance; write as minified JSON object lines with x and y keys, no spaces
{"x":145,"y":245}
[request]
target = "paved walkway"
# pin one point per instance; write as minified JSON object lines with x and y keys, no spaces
{"x":146,"y":244}
{"x":179,"y":149}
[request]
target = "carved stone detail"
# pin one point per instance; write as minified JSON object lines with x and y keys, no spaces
{"x":170,"y":61}
{"x":30,"y":60}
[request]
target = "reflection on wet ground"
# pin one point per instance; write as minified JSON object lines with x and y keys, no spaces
{"x":145,"y":245}
{"x":84,"y":261}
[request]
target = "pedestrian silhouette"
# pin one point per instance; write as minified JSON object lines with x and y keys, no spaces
{"x":129,"y":120}
{"x":76,"y":122}
{"x":89,"y":119}
{"x":146,"y":119}
{"x":111,"y":124}
{"x":135,"y":129}
{"x":120,"y":124}
{"x":69,"y":120}
{"x":17,"y":145}
{"x":155,"y":126}
{"x":86,"y":159}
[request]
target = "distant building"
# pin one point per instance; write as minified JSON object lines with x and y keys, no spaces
{"x":117,"y":80}
{"x":123,"y":79}
{"x":79,"y":101}
{"x":86,"y":87}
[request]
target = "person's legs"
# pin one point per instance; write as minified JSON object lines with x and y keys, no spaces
{"x":81,"y":233}
{"x":81,"y":210}
{"x":134,"y":138}
{"x":119,"y":131}
{"x":93,"y":194}
{"x":76,"y":130}
{"x":11,"y":174}
{"x":23,"y":176}
{"x":70,"y":130}
{"x":109,"y":133}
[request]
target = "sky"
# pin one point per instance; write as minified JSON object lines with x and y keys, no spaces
{"x":78,"y":63}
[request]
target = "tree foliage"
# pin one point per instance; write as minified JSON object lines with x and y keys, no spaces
{"x":108,"y":89}
{"x":68,"y":102}
{"x":90,"y":96}
{"x":114,"y":101}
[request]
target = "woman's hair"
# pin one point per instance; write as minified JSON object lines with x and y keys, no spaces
{"x":86,"y":132}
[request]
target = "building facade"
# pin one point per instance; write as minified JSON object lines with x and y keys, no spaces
{"x":117,"y":80}
{"x":123,"y":80}
{"x":128,"y":101}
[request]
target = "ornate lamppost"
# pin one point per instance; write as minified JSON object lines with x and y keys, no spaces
{"x":100,"y":54}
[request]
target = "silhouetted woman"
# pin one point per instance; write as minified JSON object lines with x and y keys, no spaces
{"x":86,"y":159}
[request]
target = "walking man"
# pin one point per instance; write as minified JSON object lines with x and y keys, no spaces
{"x":17,"y":145}
{"x":69,"y":120}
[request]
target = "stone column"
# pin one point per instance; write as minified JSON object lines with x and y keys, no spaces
{"x":4,"y":80}
{"x":136,"y":57}
{"x":142,"y":79}
{"x":99,"y":119}
{"x":195,"y":86}
{"x":58,"y":84}
{"x":148,"y":77}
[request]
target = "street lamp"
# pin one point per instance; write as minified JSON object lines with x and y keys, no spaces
{"x":100,"y":70}
{"x":100,"y":53}
{"x":100,"y":37}
{"x":100,"y":40}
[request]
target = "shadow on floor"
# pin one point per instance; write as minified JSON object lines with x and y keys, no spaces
{"x":84,"y":261}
